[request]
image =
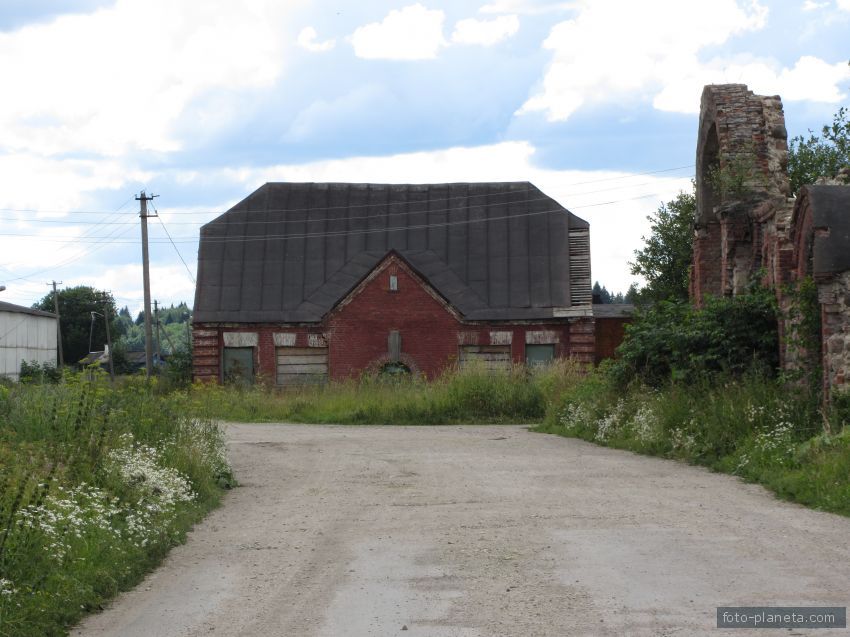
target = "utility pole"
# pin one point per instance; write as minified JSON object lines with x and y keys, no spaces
{"x":143,"y":215}
{"x":58,"y":323}
{"x":109,"y":339}
{"x":158,"y":335}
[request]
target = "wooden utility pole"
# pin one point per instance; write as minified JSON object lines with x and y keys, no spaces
{"x":58,"y":323}
{"x":158,"y":335}
{"x":146,"y":275}
{"x":109,"y":339}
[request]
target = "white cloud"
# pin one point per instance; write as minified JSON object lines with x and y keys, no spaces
{"x":843,"y":4}
{"x":811,"y":79}
{"x":308,"y":37}
{"x":526,"y":7}
{"x":620,"y":49}
{"x":615,"y":204}
{"x":811,"y":5}
{"x":169,"y":284}
{"x":485,"y":32}
{"x":120,"y":78}
{"x":411,"y":33}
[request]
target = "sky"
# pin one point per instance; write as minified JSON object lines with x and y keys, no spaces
{"x":201,"y":102}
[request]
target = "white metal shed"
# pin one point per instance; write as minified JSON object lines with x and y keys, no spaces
{"x":25,"y":335}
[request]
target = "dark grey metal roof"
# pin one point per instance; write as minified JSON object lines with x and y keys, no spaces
{"x":613,"y":310}
{"x":290,"y":252}
{"x":20,"y":309}
{"x":831,"y":214}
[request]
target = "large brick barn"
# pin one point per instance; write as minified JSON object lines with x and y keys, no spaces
{"x":301,"y":282}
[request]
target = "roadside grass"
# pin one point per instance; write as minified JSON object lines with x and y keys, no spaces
{"x":96,"y":484}
{"x":472,"y":395}
{"x":753,"y":427}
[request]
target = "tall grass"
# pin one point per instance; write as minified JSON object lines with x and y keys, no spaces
{"x":753,"y":427}
{"x":472,"y":395}
{"x":96,"y":483}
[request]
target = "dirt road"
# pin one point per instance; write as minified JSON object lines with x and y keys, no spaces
{"x":478,"y":532}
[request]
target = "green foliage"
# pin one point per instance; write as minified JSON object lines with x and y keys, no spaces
{"x":173,"y":323}
{"x":75,"y":307}
{"x":679,"y":342}
{"x":40,"y":373}
{"x":820,"y":156}
{"x":752,"y":426}
{"x":96,"y":484}
{"x":178,"y":369}
{"x":665,"y":259}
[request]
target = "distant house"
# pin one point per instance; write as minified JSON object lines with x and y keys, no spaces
{"x":302,"y":282}
{"x":25,"y":335}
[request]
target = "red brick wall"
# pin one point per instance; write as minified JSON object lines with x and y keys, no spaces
{"x":357,"y":331}
{"x":609,"y":334}
{"x":706,"y":273}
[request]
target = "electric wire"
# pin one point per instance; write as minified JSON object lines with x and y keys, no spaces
{"x":347,"y":207}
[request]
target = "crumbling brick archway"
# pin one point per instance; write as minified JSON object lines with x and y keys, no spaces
{"x":741,"y":159}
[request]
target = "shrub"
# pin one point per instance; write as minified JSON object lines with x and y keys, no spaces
{"x":674,"y":341}
{"x":40,"y":373}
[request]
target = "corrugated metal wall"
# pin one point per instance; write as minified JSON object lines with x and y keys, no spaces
{"x":24,"y":337}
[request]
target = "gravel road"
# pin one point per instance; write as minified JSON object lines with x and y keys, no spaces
{"x":478,"y":532}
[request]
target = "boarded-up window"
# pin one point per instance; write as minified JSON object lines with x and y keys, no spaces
{"x":492,"y":357}
{"x":238,"y":365}
{"x":302,"y":366}
{"x":539,"y":354}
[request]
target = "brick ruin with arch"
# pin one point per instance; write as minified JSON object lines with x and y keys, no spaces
{"x":748,"y":227}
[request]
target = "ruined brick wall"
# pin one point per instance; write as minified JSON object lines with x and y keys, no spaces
{"x":740,"y":133}
{"x":760,"y":229}
{"x":835,"y":333}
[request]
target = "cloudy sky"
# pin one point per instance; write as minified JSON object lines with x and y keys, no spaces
{"x":201,"y":102}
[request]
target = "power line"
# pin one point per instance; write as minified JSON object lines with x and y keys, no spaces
{"x":346,"y":232}
{"x":82,"y":253}
{"x":174,"y":245}
{"x":368,"y":205}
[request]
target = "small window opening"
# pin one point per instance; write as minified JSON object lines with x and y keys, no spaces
{"x":393,"y":283}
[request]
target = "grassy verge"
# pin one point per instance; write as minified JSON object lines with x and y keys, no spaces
{"x":468,"y":396}
{"x":752,"y":427}
{"x":96,"y":484}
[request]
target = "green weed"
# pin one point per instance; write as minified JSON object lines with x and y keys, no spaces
{"x":96,"y":484}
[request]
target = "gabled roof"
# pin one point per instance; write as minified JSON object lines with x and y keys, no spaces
{"x":20,"y":309}
{"x":291,"y":251}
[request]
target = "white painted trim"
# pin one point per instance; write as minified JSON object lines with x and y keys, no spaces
{"x":241,"y":339}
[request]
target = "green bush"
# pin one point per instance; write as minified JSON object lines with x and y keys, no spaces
{"x":675,"y":341}
{"x":35,"y":372}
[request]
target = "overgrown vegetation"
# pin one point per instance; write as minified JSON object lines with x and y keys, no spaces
{"x":753,"y":427}
{"x":700,"y":385}
{"x":469,"y":396}
{"x":739,"y":178}
{"x":673,"y":340}
{"x":96,"y":484}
